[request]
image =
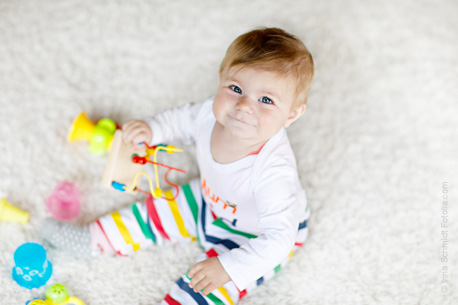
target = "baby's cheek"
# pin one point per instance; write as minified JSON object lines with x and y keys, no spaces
{"x":220,"y":108}
{"x":270,"y":124}
{"x":217,"y":107}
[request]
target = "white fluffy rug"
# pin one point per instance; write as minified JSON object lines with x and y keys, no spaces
{"x":376,"y":149}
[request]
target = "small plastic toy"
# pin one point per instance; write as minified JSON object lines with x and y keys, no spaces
{"x":56,"y":294}
{"x":64,"y":203}
{"x":152,"y":151}
{"x":9,"y":212}
{"x":125,"y":166}
{"x":32,"y":269}
{"x":99,"y":135}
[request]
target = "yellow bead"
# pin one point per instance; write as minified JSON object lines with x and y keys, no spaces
{"x":157,"y":193}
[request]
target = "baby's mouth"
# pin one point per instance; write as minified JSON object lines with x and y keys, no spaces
{"x":241,"y":120}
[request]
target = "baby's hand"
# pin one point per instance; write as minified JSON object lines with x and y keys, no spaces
{"x":208,"y":275}
{"x":135,"y":132}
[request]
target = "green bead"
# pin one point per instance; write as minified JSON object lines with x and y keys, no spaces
{"x":57,"y":293}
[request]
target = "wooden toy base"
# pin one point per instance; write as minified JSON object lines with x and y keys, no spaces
{"x":119,"y":166}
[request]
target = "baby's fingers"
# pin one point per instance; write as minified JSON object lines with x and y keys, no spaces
{"x":196,"y":279}
{"x":137,"y":137}
{"x":203,"y":286}
{"x":208,"y":289}
{"x":135,"y":132}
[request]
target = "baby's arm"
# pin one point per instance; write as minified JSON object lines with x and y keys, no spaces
{"x":168,"y":126}
{"x":135,"y":132}
{"x":208,"y":275}
{"x":279,"y":213}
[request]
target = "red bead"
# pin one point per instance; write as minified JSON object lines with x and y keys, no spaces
{"x":139,"y":160}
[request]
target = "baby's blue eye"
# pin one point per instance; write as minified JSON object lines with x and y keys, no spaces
{"x":236,"y":89}
{"x":266,"y":100}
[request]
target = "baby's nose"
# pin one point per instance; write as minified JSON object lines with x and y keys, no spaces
{"x":245,"y":104}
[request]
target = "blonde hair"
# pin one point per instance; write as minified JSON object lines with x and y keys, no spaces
{"x":274,"y":50}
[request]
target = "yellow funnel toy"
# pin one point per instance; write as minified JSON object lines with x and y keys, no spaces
{"x":99,"y":135}
{"x":81,"y":129}
{"x":11,"y":213}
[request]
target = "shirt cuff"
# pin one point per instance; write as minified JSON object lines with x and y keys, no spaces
{"x":228,"y":264}
{"x":156,"y":130}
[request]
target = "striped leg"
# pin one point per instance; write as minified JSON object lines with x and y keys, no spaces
{"x":228,"y":294}
{"x":155,"y":221}
{"x":182,"y":294}
{"x":218,"y":237}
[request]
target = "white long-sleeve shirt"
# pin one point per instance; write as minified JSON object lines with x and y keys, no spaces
{"x":259,"y":194}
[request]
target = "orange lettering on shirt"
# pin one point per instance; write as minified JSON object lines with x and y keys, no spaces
{"x":214,"y":198}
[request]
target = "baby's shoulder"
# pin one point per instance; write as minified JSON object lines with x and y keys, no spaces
{"x":206,"y":108}
{"x":277,"y":155}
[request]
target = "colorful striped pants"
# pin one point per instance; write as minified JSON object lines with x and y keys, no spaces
{"x":188,"y":218}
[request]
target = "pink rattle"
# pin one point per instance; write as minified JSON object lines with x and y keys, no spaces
{"x":64,"y":203}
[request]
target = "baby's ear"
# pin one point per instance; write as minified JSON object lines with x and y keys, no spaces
{"x":294,"y":115}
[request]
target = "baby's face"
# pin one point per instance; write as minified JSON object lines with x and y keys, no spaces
{"x":254,"y":104}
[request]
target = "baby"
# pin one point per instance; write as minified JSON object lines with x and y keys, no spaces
{"x":247,"y":210}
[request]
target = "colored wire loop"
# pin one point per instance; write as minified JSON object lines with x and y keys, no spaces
{"x":155,"y":192}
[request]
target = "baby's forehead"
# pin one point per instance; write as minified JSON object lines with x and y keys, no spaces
{"x":277,"y":74}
